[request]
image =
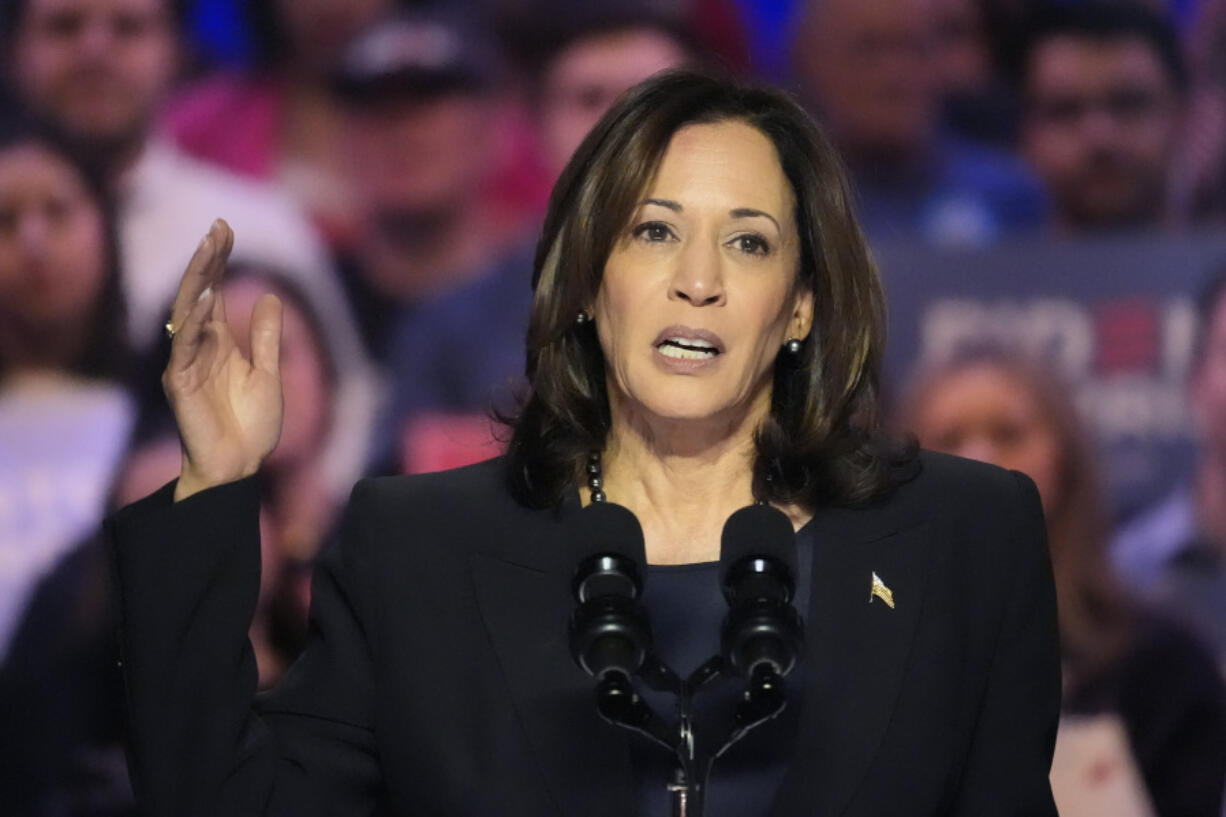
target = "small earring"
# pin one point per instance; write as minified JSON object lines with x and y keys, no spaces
{"x":792,"y":346}
{"x":582,"y":318}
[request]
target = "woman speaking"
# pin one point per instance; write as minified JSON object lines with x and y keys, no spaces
{"x":705,"y":334}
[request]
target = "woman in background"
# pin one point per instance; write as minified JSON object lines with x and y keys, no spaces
{"x":65,"y":417}
{"x":1117,"y":660}
{"x":64,"y":412}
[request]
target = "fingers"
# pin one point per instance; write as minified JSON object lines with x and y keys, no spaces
{"x":203,"y":270}
{"x":266,"y":334}
{"x":218,"y":269}
{"x":190,"y":332}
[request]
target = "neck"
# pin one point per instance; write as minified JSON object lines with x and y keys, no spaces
{"x":681,"y":478}
{"x":29,"y":348}
{"x":415,"y":255}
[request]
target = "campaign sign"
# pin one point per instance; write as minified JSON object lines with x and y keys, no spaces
{"x":1114,"y":316}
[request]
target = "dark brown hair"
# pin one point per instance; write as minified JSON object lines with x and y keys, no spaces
{"x":106,"y":353}
{"x":1096,"y":615}
{"x":822,"y":442}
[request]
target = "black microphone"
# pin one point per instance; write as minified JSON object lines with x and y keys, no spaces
{"x":609,"y":631}
{"x":762,"y":633}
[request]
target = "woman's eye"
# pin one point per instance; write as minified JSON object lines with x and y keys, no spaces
{"x":653,"y":231}
{"x":751,"y":244}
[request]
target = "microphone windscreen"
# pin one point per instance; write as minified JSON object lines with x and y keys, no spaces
{"x":758,"y":531}
{"x":607,"y":528}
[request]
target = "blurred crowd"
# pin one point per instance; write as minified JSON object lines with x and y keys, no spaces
{"x":385,"y":166}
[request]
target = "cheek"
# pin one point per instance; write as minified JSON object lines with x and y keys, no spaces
{"x":82,"y":254}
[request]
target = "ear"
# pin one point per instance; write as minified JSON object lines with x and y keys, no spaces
{"x":801,"y":321}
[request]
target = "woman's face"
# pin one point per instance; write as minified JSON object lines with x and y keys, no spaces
{"x":698,"y":294}
{"x":304,"y":379}
{"x":993,"y":416}
{"x":52,"y":239}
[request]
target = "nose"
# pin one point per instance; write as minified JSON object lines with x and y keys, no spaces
{"x":698,"y":278}
{"x":95,"y":38}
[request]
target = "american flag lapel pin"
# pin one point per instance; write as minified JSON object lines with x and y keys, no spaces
{"x":880,"y":591}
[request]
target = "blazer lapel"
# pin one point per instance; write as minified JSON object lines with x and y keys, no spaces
{"x":525,"y":602}
{"x":857,"y":653}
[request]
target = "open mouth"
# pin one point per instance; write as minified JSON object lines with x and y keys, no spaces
{"x":687,"y":348}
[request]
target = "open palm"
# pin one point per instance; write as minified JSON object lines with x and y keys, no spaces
{"x":228,"y":408}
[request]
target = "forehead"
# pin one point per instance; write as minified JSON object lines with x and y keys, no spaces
{"x":36,"y":9}
{"x":25,"y":163}
{"x":1068,"y":61}
{"x":640,"y":52}
{"x":725,"y":165}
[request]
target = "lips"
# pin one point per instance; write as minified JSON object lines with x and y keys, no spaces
{"x":687,"y":343}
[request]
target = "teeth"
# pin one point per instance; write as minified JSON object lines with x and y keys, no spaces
{"x":691,"y":342}
{"x":668,"y":350}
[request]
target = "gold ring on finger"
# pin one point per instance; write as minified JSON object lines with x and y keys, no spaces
{"x":171,"y":329}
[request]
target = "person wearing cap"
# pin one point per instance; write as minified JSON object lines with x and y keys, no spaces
{"x":445,"y":375}
{"x":705,"y":337}
{"x":420,"y":96}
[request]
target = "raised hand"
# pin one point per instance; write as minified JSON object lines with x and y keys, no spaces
{"x":228,"y":408}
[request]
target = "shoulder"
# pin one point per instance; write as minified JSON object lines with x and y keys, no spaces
{"x":983,"y":522}
{"x":960,"y":490}
{"x":482,"y":483}
{"x":453,"y":508}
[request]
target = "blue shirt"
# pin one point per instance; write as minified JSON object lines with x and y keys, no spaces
{"x":687,"y":608}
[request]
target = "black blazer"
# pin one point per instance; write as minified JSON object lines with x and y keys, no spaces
{"x":437,"y":680}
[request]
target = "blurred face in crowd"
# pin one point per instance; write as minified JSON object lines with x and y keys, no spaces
{"x":417,"y":160}
{"x":699,"y":294}
{"x":52,"y":241}
{"x":97,"y":67}
{"x":1208,"y":384}
{"x":318,"y":30}
{"x":871,"y":70}
{"x":961,"y":50}
{"x":1101,"y":123}
{"x":584,"y":79}
{"x":987,"y":413}
{"x":304,"y":377}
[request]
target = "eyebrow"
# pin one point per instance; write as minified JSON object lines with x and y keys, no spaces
{"x":739,"y":212}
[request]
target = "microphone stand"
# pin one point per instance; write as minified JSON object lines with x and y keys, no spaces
{"x":619,"y":704}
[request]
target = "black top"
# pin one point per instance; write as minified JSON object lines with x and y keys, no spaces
{"x":687,"y":608}
{"x":438,"y":679}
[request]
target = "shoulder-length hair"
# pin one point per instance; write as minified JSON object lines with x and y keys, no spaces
{"x":822,"y":442}
{"x":106,"y":353}
{"x":1096,"y":614}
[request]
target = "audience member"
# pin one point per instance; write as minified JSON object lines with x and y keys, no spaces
{"x":98,"y":70}
{"x":420,"y":94}
{"x":292,"y":128}
{"x":1175,"y":552}
{"x":870,"y":69}
{"x":476,"y":334}
{"x":590,"y":55}
{"x":1104,"y":88}
{"x":64,"y":414}
{"x":1139,"y":693}
{"x":1200,"y":163}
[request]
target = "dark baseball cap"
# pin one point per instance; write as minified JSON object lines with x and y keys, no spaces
{"x":415,"y":53}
